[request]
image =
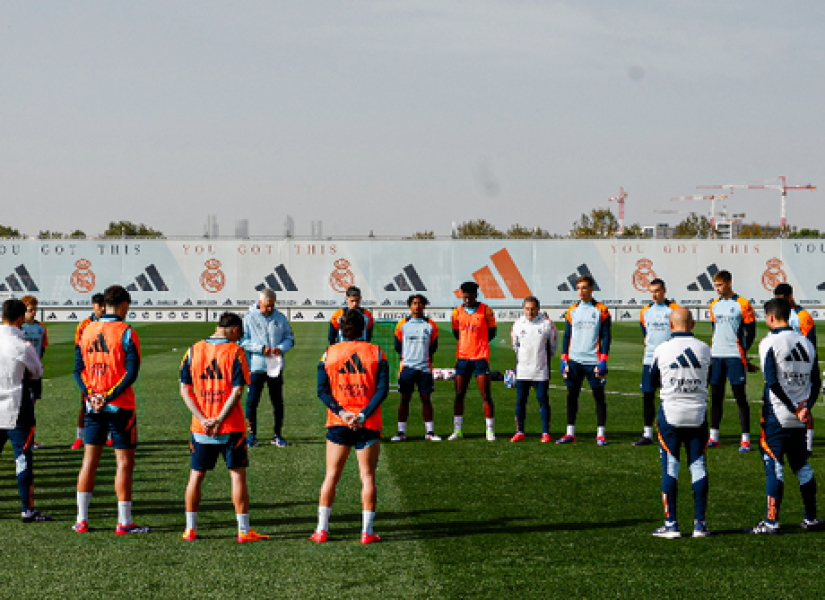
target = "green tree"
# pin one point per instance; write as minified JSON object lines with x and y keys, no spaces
{"x":519,"y":231}
{"x":422,"y":235}
{"x":805,"y":233}
{"x":129,"y":229}
{"x":478,"y":228}
{"x":600,"y":223}
{"x":49,"y":235}
{"x":8,"y":231}
{"x":694,"y":226}
{"x":77,"y":234}
{"x":634,"y":231}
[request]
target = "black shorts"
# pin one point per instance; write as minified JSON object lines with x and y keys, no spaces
{"x":205,"y":456}
{"x":122,"y":424}
{"x":360,"y":438}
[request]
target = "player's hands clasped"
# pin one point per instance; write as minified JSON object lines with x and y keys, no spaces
{"x":97,"y":402}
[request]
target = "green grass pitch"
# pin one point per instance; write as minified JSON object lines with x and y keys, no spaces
{"x":458,"y":519}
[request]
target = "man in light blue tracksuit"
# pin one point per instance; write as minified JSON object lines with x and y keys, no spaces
{"x":267,"y":335}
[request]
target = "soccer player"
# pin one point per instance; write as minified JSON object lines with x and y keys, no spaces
{"x":107,"y":362}
{"x":681,"y":366}
{"x":212,"y":378}
{"x":474,"y":326}
{"x":791,"y":387}
{"x":19,"y":365}
{"x":416,"y":340}
{"x":734,"y":330}
{"x":267,"y":334}
{"x":534,"y":338}
{"x":35,"y":333}
{"x":585,"y":348}
{"x":353,"y":298}
{"x":353,"y":381}
{"x":655,"y":322}
{"x":98,"y":308}
{"x":802,"y":323}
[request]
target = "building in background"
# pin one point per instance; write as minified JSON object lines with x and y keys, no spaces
{"x":242,"y":228}
{"x":210,"y":230}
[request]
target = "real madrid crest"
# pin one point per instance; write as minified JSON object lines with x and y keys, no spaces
{"x":83,"y":279}
{"x":341,"y":278}
{"x":643,"y":274}
{"x":213,"y":279}
{"x":773,"y":275}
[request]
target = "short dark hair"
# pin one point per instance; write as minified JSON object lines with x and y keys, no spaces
{"x":115,"y":295}
{"x":783,"y":289}
{"x":779,"y":308}
{"x":353,"y":290}
{"x":588,"y":279}
{"x":13,"y":309}
{"x":98,"y":299}
{"x":352,"y":324}
{"x":469,"y":287}
{"x":723,"y":276}
{"x":229,"y":320}
{"x":658,"y":281}
{"x":421,"y":297}
{"x":532,"y":299}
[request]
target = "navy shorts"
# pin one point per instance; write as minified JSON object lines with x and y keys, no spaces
{"x":730,"y":368}
{"x":409,"y":378}
{"x":577,"y":373}
{"x":122,"y":424}
{"x":779,"y":442}
{"x":205,"y":456}
{"x":466,"y":367}
{"x":360,"y":438}
{"x":647,"y":380}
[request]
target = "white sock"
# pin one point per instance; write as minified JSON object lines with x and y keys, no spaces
{"x":714,"y":435}
{"x":600,"y":431}
{"x":491,"y":423}
{"x":83,"y":500}
{"x":323,"y":518}
{"x":402,"y":427}
{"x":458,"y":422}
{"x":429,"y":426}
{"x":243,"y":523}
{"x":648,"y":433}
{"x":80,"y":432}
{"x":810,"y":435}
{"x":571,"y":430}
{"x":746,"y":437}
{"x":367,"y":517}
{"x":124,"y":513}
{"x":192,"y":521}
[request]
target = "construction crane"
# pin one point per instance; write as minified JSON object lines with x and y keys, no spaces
{"x":766,"y":186}
{"x":713,"y":199}
{"x":620,"y":199}
{"x":734,"y":218}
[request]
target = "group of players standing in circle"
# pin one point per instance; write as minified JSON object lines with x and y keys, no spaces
{"x":353,"y":382}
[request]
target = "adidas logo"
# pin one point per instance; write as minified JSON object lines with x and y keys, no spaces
{"x":570,"y":284}
{"x":402,"y":284}
{"x":228,"y":302}
{"x":705,"y":280}
{"x":352,"y":366}
{"x":686,"y":359}
{"x":19,"y":281}
{"x":188,"y":302}
{"x":213,"y":371}
{"x":798,"y":354}
{"x":509,"y":273}
{"x":271,"y":282}
{"x":821,"y":286}
{"x":143,"y":284}
{"x":99,"y":345}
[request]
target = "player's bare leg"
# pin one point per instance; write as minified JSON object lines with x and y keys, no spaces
{"x":403,"y":415}
{"x":336,"y":459}
{"x":125,"y":459}
{"x":193,"y":491}
{"x":367,"y":463}
{"x":427,"y":413}
{"x":483,"y":382}
{"x":86,"y":485}
{"x":461,"y":385}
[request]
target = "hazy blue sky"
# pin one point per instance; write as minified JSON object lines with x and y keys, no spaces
{"x":403,"y":116}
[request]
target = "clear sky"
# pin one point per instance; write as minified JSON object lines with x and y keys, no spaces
{"x":402,"y":116}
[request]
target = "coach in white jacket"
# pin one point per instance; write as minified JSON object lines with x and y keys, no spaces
{"x":18,"y":361}
{"x":534,"y":341}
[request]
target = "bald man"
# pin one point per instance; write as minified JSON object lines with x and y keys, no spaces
{"x":681,"y":368}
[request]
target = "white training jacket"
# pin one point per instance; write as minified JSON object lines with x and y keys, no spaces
{"x":16,"y":356}
{"x":683,"y":366}
{"x":534,"y":343}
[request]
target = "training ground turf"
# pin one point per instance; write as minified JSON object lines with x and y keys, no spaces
{"x":458,"y":519}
